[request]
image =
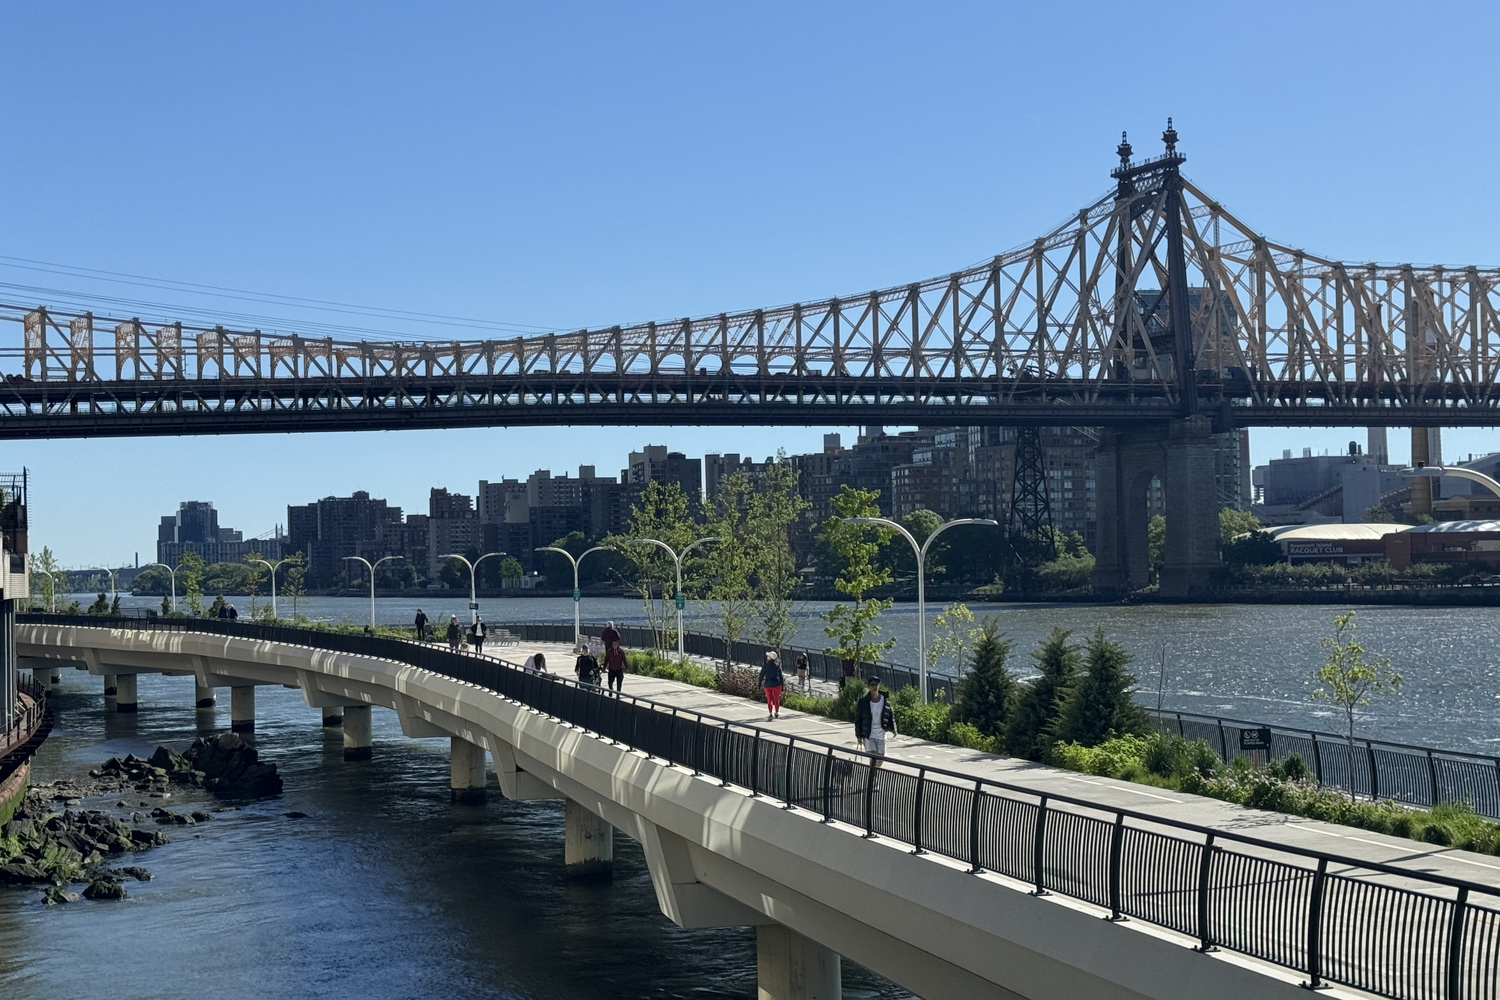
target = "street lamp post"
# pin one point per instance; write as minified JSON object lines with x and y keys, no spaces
{"x":1457,"y":472}
{"x":113,"y":590}
{"x":173,"y":572}
{"x":272,"y":567}
{"x":577,"y":594}
{"x":371,"y":567}
{"x":473,"y":599}
{"x":678,"y":598}
{"x":920,"y":551}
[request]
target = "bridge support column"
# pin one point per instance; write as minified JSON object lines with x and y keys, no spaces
{"x":590,"y":843}
{"x":43,"y":677}
{"x":789,"y":966}
{"x":111,"y":688}
{"x":1181,"y":455}
{"x":466,"y":779}
{"x":357,"y":742}
{"x":125,"y":700}
{"x":242,"y":708}
{"x":203,"y":696}
{"x":333,"y":715}
{"x":57,"y":675}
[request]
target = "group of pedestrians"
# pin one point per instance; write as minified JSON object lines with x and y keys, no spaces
{"x":588,"y":668}
{"x":423,"y":626}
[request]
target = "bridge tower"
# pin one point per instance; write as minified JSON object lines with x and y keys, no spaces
{"x":1153,"y":330}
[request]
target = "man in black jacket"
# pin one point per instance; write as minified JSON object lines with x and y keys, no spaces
{"x":872,"y":707}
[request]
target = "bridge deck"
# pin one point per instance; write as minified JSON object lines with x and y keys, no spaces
{"x":1108,"y":793}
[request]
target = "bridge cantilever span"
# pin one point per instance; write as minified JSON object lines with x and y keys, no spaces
{"x":1151,"y":302}
{"x":952,"y":884}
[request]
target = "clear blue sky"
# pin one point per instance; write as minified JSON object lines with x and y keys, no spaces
{"x":577,"y":165}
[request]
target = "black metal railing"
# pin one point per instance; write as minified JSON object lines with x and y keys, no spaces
{"x":1395,"y":931}
{"x":30,"y":725}
{"x":1413,"y":775}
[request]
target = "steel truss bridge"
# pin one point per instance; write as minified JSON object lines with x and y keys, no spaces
{"x":1153,"y":302}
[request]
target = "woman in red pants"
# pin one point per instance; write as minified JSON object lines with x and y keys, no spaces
{"x":771,"y":681}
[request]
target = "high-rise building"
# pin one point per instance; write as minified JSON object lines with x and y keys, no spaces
{"x":195,"y":528}
{"x":329,"y":529}
{"x":655,"y":464}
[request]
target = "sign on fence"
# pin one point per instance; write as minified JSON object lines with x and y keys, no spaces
{"x":1255,"y":739}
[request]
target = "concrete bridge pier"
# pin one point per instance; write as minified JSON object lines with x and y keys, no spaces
{"x":56,"y":675}
{"x":1181,"y":456}
{"x":333,"y":715}
{"x":43,"y":677}
{"x":242,"y":708}
{"x":789,"y":966}
{"x":589,"y":850}
{"x":357,"y":741}
{"x":467,"y":774}
{"x":203,"y":696}
{"x":125,"y":697}
{"x":111,"y":687}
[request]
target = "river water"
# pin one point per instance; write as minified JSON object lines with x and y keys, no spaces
{"x":386,"y":890}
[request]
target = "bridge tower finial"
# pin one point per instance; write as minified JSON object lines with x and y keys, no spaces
{"x":1123,"y":149}
{"x":1170,"y":138}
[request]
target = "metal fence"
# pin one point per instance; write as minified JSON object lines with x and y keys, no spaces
{"x":29,"y":727}
{"x":1418,"y":776}
{"x":1393,"y":931}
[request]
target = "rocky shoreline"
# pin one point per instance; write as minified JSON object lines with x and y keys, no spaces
{"x":40,"y":845}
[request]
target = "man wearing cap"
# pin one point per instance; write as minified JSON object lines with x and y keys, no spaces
{"x":873,"y":718}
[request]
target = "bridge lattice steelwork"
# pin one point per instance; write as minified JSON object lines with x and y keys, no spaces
{"x":1153,"y":302}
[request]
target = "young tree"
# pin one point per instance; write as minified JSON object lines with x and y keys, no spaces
{"x":1040,"y":701}
{"x":954,"y":634}
{"x":255,"y":575}
{"x":727,"y":569}
{"x":1351,"y":675}
{"x":1234,"y":522}
{"x":511,"y":571}
{"x":1102,"y":703}
{"x":294,"y":582}
{"x":45,"y":573}
{"x":1156,"y":543}
{"x":854,"y":627}
{"x":100,"y":605}
{"x":190,"y":579}
{"x":775,"y":505}
{"x":114,"y":606}
{"x":664,"y":514}
{"x":987,"y":693}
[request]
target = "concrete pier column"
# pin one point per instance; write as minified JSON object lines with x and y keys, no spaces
{"x":467,"y":770}
{"x":203,"y":697}
{"x":1192,"y":508}
{"x":57,"y":675}
{"x":590,"y":843}
{"x":333,"y":716}
{"x":357,"y":732}
{"x":43,"y":676}
{"x":789,"y":966}
{"x":111,"y":688}
{"x":125,"y":693}
{"x":242,"y":708}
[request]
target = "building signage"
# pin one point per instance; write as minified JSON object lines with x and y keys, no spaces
{"x":1313,"y":549}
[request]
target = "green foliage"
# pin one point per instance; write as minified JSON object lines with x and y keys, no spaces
{"x":46,"y":573}
{"x":511,"y":570}
{"x":1102,"y":703}
{"x":1234,"y":522}
{"x":811,"y":704}
{"x":847,"y":701}
{"x":1351,"y":675}
{"x":963,"y":734}
{"x":100,"y":606}
{"x":987,"y":693}
{"x":954,"y":634}
{"x":664,"y":514}
{"x":728,"y":569}
{"x":217,"y":606}
{"x":1039,"y":702}
{"x":114,"y":606}
{"x":190,"y":581}
{"x":293,"y":580}
{"x":853,"y":627}
{"x":741,"y":684}
{"x":1066,"y":574}
{"x":1378,"y":515}
{"x":650,"y":664}
{"x":1156,"y":541}
{"x":775,"y":506}
{"x":1255,"y":549}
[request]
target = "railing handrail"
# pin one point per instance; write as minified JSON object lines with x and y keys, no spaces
{"x":397,"y":646}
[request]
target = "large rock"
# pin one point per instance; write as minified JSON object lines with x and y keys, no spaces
{"x":104,"y":888}
{"x":231,"y":768}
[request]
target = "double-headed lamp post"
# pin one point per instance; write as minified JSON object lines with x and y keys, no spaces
{"x":678,"y":599}
{"x":1457,"y":472}
{"x":273,"y":567}
{"x":371,"y":567}
{"x":113,"y":591}
{"x":577,"y":594}
{"x":473,"y":599}
{"x":173,"y":572}
{"x":920,"y":551}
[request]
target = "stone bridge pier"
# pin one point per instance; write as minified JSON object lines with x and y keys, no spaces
{"x":1182,"y":456}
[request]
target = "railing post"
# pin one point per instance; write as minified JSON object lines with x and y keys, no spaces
{"x":755,"y":766}
{"x":974,"y":864}
{"x":791,"y":745}
{"x":1374,"y":773}
{"x":1315,"y":927}
{"x":1180,"y":731}
{"x":917,"y":815}
{"x":1039,"y":849}
{"x":1116,"y":851}
{"x":672,"y":739}
{"x":1456,"y":946}
{"x":724,"y":759}
{"x":1205,"y":873}
{"x":870,"y":801}
{"x":1223,"y":742}
{"x":1432,"y":779}
{"x":1317,"y":758}
{"x":698,"y":757}
{"x":828,"y":787}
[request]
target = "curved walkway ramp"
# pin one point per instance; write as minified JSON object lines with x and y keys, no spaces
{"x":951,"y":883}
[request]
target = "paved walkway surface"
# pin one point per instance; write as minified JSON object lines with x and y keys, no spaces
{"x":1107,"y":793}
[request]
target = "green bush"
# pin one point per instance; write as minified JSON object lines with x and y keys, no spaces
{"x":963,"y":734}
{"x":811,"y":704}
{"x":847,"y":700}
{"x":740,"y":684}
{"x":925,"y":722}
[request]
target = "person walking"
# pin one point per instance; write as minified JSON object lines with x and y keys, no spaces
{"x":455,"y":634}
{"x":873,"y":719}
{"x":609,"y":636}
{"x":802,"y":680}
{"x":771,"y":681}
{"x":476,"y":633}
{"x":614,"y":665}
{"x":421,"y":626}
{"x":587,"y":667}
